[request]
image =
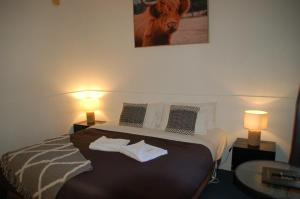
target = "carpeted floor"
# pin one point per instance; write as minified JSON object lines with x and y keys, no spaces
{"x":225,"y":189}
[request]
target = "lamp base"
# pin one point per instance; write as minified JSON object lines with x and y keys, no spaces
{"x":254,"y":138}
{"x":90,"y":118}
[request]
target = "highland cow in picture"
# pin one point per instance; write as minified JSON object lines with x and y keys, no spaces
{"x":170,"y":22}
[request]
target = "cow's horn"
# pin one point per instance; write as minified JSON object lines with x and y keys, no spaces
{"x":147,"y":3}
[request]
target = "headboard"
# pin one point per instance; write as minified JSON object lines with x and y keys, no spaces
{"x":295,"y":150}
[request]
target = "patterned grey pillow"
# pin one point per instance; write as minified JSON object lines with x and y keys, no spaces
{"x":182,"y":119}
{"x":133,"y":115}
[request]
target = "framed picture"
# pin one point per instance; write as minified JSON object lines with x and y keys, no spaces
{"x":170,"y":22}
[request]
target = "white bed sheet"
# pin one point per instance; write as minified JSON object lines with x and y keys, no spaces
{"x":215,"y":139}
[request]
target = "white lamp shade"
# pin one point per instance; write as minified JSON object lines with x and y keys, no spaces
{"x":90,"y":104}
{"x":255,"y":120}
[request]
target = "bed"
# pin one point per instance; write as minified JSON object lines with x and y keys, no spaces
{"x":183,"y":173}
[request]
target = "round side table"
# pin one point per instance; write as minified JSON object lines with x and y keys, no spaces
{"x":248,"y":177}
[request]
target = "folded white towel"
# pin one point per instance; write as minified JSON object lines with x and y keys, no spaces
{"x":108,"y":144}
{"x":142,"y":152}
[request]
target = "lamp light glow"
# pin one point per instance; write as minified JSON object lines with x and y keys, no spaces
{"x":90,"y":104}
{"x":89,"y":100}
{"x":88,"y":94}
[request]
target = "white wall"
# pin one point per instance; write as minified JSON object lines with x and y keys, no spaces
{"x":46,"y":51}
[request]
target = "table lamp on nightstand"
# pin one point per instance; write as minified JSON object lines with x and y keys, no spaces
{"x":255,"y":121}
{"x":90,"y":105}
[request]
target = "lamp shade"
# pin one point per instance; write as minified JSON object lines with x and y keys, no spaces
{"x":90,"y":104}
{"x":255,"y":120}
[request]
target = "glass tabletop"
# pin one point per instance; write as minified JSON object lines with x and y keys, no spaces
{"x":250,"y":175}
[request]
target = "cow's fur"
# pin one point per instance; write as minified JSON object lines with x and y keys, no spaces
{"x":157,"y":23}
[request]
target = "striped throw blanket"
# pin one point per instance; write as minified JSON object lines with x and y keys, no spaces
{"x":39,"y":171}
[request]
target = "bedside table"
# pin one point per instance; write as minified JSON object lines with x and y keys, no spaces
{"x":241,"y":152}
{"x":83,"y":125}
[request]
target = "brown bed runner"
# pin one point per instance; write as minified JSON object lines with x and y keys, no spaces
{"x":179,"y":174}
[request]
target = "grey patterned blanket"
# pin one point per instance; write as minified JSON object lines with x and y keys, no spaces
{"x":39,"y":171}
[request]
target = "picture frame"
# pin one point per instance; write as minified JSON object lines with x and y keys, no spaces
{"x":170,"y":22}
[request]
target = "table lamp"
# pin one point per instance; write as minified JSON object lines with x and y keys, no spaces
{"x":255,"y":121}
{"x":90,"y":105}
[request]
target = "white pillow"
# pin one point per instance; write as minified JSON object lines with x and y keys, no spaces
{"x":153,"y":115}
{"x":205,"y":119}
